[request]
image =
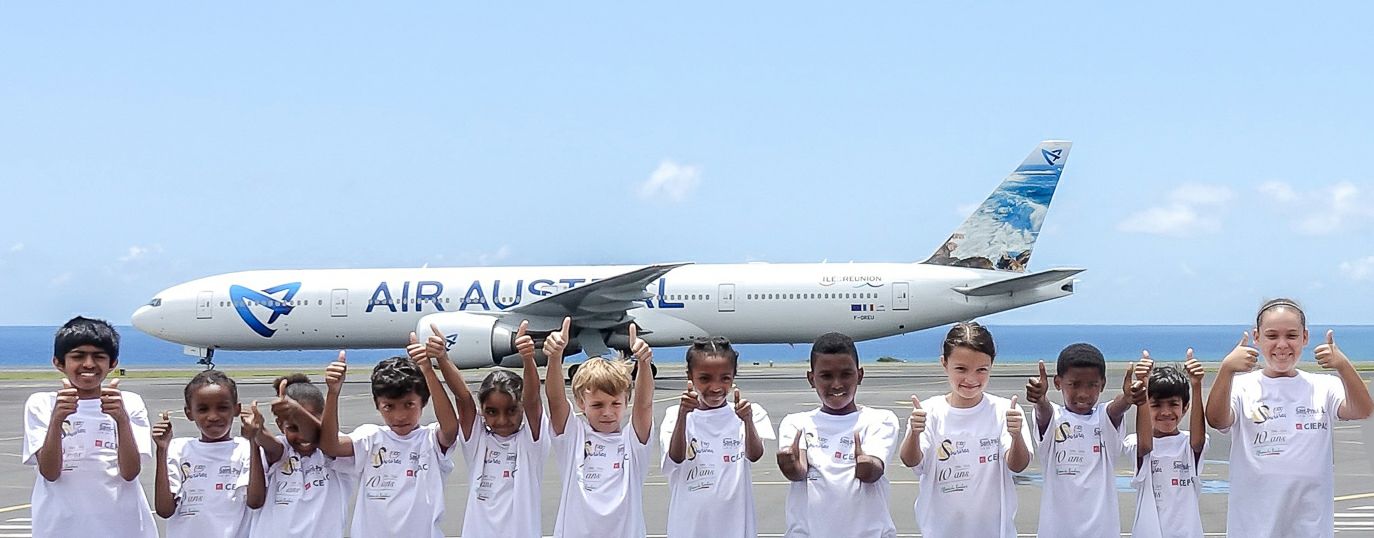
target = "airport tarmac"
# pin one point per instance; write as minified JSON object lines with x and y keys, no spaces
{"x":781,"y":390}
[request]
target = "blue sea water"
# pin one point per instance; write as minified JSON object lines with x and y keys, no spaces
{"x":31,"y":346}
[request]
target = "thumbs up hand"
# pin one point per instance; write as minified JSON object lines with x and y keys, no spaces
{"x":112,"y":403}
{"x":1194,"y":369}
{"x":558,"y":341}
{"x":251,"y":421}
{"x":1241,"y":359}
{"x":336,"y":372}
{"x":524,"y":343}
{"x":743,"y":408}
{"x":916,"y":423}
{"x":65,"y":404}
{"x":1014,"y":419}
{"x":1036,"y":387}
{"x":1330,"y":356}
{"x":689,"y":401}
{"x":162,"y":431}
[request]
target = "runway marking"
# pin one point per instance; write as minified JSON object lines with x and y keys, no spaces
{"x":11,"y":438}
{"x":1355,"y":496}
{"x":15,"y":507}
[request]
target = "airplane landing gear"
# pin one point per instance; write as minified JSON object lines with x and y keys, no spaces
{"x":208,"y":360}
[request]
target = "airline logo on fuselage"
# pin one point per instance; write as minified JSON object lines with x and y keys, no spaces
{"x":243,"y":298}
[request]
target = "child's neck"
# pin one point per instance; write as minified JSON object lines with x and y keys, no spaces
{"x":205,"y":439}
{"x":852,"y":408}
{"x":959,"y":402}
{"x":1166,"y":434}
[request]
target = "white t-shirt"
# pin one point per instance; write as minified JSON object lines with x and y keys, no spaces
{"x":307,"y":495}
{"x":1168,"y":489}
{"x":711,"y":492}
{"x":400,"y":481}
{"x":89,"y":498}
{"x":1078,"y":454}
{"x":832,"y":501}
{"x":603,"y":481}
{"x":504,"y":476}
{"x":1282,"y":467}
{"x":210,"y":484}
{"x":966,"y":488}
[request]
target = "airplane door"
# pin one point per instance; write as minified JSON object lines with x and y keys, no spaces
{"x":205,"y":305}
{"x":727,"y":297}
{"x":338,"y":303}
{"x":901,"y":296}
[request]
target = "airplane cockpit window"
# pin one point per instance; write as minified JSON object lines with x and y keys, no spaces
{"x":156,"y":302}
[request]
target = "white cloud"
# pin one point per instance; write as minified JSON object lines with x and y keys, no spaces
{"x":1361,"y":269}
{"x":17,"y":247}
{"x":61,"y":279}
{"x":1193,"y":208}
{"x":671,"y":179}
{"x":137,"y":252}
{"x":1278,"y":191}
{"x":1324,"y":211}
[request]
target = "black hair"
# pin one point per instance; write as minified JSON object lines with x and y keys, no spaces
{"x":80,"y":331}
{"x":1281,"y":302}
{"x":833,"y":344}
{"x":396,"y":377}
{"x":210,"y":377}
{"x":969,"y":335}
{"x":503,"y":381}
{"x":299,"y":388}
{"x":1081,"y":355}
{"x":1168,"y":381}
{"x":715,"y":346}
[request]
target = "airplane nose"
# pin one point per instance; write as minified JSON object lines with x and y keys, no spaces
{"x":146,"y":320}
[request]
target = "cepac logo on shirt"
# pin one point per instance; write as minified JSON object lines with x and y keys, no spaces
{"x":243,"y":298}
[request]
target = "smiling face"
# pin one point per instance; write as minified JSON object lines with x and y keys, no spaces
{"x":1280,"y":338}
{"x":836,"y":378}
{"x":968,"y":372}
{"x":401,"y":414}
{"x":713,"y":377}
{"x":603,"y":411}
{"x":502,"y":413}
{"x":1081,"y":386}
{"x":1167,"y":413}
{"x":295,"y":435}
{"x":213,"y":409}
{"x":85,"y":367}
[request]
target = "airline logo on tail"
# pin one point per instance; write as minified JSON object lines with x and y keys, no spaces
{"x":1051,"y":156}
{"x":241,"y":296}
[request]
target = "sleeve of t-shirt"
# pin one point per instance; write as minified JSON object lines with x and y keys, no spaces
{"x":243,"y":453}
{"x":639,"y":452}
{"x":880,"y":434}
{"x":1335,"y":395}
{"x":1237,"y":403}
{"x":1128,"y":448}
{"x":1042,"y":444}
{"x":471,"y":444}
{"x":445,"y":457}
{"x":665,"y":438}
{"x":175,"y":448}
{"x":271,"y":468}
{"x":566,"y":445}
{"x":545,"y":432}
{"x":762,"y":423}
{"x":787,"y":431}
{"x":37,"y":413}
{"x":363,"y":438}
{"x":138,"y":422}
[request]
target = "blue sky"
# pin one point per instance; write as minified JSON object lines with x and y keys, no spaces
{"x":1220,"y":155}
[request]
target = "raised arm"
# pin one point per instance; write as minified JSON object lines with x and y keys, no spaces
{"x":642,"y":416}
{"x":910,"y":451}
{"x":1357,"y":405}
{"x":1036,"y":387}
{"x":436,"y":347}
{"x":1197,"y":426}
{"x":1241,"y":359}
{"x":251,"y":429}
{"x":1116,"y":409}
{"x":444,"y":412}
{"x":50,"y":454}
{"x":553,"y":378}
{"x":1018,"y":455}
{"x":753,"y":444}
{"x":333,"y":443}
{"x":1144,"y":421}
{"x":164,"y":503}
{"x":529,"y":391}
{"x":112,"y":404}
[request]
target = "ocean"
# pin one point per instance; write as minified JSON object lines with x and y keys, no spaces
{"x":31,"y":346}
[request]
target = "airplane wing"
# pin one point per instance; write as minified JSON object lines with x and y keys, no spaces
{"x":599,"y":305}
{"x":1012,"y":285}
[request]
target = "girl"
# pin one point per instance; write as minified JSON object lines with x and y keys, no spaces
{"x":965,"y":445}
{"x":1280,"y":420}
{"x":505,"y":444}
{"x":708,"y":447}
{"x":306,"y":492}
{"x":203,"y":489}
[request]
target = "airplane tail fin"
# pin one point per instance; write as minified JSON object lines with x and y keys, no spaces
{"x":1001,"y":232}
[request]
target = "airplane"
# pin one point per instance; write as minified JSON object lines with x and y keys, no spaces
{"x":980,"y":269}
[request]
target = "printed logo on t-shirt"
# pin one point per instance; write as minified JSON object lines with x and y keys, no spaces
{"x":1067,"y":432}
{"x":292,"y":463}
{"x":845,"y":452}
{"x":69,"y":428}
{"x":191,"y":471}
{"x":692,"y":449}
{"x":1310,"y":418}
{"x":381,"y":456}
{"x":1261,"y":413}
{"x":949,"y":449}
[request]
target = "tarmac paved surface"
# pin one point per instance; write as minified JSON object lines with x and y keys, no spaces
{"x":781,"y":390}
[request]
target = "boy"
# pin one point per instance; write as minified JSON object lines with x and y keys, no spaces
{"x":604,"y":464}
{"x":88,"y":441}
{"x":835,"y":455}
{"x":400,"y":466}
{"x":1079,"y":453}
{"x":1168,"y":462}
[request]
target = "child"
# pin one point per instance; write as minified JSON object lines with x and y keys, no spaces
{"x":708,"y":447}
{"x":203,"y":489}
{"x":835,"y":455}
{"x":1079,"y":454}
{"x":401,"y":465}
{"x":88,"y":442}
{"x":965,"y":445}
{"x":306,"y":492}
{"x":604,"y":463}
{"x":505,"y":444}
{"x":1168,"y":462}
{"x":1280,"y":420}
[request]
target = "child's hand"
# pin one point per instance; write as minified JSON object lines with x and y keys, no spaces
{"x":1139,"y":395}
{"x":162,"y":431}
{"x":415,"y":350}
{"x":1143,"y":368}
{"x":336,"y":372}
{"x":796,"y":453}
{"x":1242,"y":358}
{"x":112,"y":402}
{"x":743,"y":409}
{"x":1035,"y":387}
{"x":284,"y":407}
{"x":524,"y":344}
{"x":1130,"y":376}
{"x":1329,"y":356}
{"x":1014,"y":418}
{"x":689,"y":400}
{"x":639,"y":349}
{"x":1194,"y":368}
{"x":557,"y":342}
{"x":916,"y":423}
{"x":65,"y":404}
{"x":436,"y":345}
{"x":251,"y":419}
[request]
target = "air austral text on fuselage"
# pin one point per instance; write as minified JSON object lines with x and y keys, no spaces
{"x":486,"y":295}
